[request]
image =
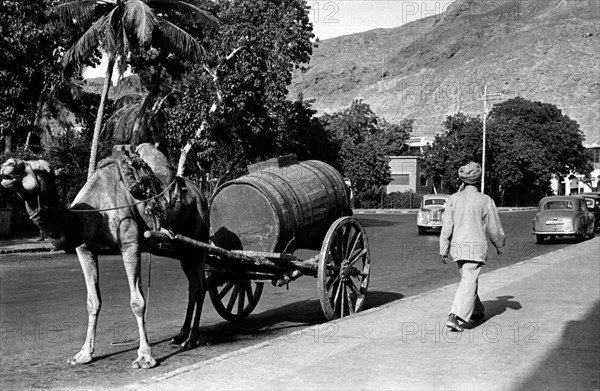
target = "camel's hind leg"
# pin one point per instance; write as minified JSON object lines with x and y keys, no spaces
{"x":132,"y":260}
{"x":194,"y":270}
{"x":89,"y":265}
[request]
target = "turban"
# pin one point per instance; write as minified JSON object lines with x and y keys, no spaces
{"x":470,"y":173}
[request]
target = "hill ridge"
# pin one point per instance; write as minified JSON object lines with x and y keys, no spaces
{"x":540,"y":50}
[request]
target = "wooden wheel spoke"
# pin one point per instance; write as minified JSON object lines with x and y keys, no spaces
{"x":335,"y":257}
{"x":339,"y":300}
{"x":249,"y":293}
{"x":350,"y":239}
{"x":339,"y":242}
{"x":353,"y":288}
{"x":331,"y":292}
{"x":233,"y":297}
{"x":358,"y":256}
{"x":226,"y":289}
{"x":241,"y":297}
{"x":349,"y":300}
{"x":352,"y":245}
{"x":332,"y":281}
{"x":336,"y":298}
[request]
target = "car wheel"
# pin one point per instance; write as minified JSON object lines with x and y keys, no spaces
{"x":422,"y":230}
{"x":540,"y":238}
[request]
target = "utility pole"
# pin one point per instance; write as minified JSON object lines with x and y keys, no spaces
{"x":458,"y":99}
{"x":485,"y":99}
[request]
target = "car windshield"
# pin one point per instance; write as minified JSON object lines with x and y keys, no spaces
{"x":435,"y":201}
{"x":552,"y":205}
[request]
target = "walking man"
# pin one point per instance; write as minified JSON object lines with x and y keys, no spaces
{"x":468,"y":217}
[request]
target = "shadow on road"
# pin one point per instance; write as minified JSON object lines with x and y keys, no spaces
{"x":500,"y":305}
{"x":495,"y":308}
{"x":299,"y":314}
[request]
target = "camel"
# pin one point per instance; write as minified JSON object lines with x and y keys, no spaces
{"x":105,"y":215}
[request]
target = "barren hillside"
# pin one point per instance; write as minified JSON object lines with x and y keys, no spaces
{"x":543,"y":50}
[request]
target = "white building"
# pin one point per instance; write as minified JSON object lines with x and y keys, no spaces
{"x":405,"y":170}
{"x":575,"y":183}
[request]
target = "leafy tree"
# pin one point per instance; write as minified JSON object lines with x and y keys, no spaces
{"x":460,"y":143}
{"x":533,"y":141}
{"x":527,"y":143}
{"x":29,"y":61}
{"x":122,"y":27}
{"x":300,"y":132}
{"x":232,"y":103}
{"x":365,"y":144}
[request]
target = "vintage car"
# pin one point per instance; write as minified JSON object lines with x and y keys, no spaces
{"x":593,"y":204}
{"x":563,"y":216}
{"x":431,"y":212}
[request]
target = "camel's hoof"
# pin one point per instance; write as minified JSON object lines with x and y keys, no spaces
{"x":179,"y":339}
{"x":144,"y":361}
{"x":80,"y":358}
{"x":191,"y":343}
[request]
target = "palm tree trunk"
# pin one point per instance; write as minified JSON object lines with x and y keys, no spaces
{"x":100,"y":115}
{"x":8,"y":138}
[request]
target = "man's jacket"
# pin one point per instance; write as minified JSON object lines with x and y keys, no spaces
{"x":469,"y":215}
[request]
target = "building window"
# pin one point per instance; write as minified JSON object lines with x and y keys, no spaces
{"x":400,"y":179}
{"x":596,"y":153}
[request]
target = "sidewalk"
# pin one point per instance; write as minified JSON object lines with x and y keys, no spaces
{"x":23,"y":244}
{"x":541,"y":333}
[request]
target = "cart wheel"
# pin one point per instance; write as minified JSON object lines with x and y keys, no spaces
{"x":344,"y":268}
{"x":235,"y":300}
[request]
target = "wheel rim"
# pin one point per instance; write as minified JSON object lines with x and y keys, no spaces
{"x":344,"y":269}
{"x":234,"y":300}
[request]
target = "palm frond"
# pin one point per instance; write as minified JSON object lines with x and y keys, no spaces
{"x":187,"y":12}
{"x":89,"y":41}
{"x":138,"y":17}
{"x":180,"y":41}
{"x":76,"y":11}
{"x":112,"y":42}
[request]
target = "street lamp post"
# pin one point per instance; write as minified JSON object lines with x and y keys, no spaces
{"x":485,"y":99}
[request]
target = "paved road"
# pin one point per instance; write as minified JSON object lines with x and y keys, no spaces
{"x":42,"y":305}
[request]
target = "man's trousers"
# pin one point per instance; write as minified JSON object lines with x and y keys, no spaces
{"x":466,"y":299}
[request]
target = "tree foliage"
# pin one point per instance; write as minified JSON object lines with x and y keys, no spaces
{"x":29,"y":59}
{"x":246,"y":73}
{"x":527,"y":143}
{"x":461,"y":142}
{"x":366,"y":142}
{"x":126,"y":27}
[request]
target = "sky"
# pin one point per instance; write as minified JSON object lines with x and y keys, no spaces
{"x":342,"y":17}
{"x":334,"y":18}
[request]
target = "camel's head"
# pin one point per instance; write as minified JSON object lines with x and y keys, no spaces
{"x":32,"y":179}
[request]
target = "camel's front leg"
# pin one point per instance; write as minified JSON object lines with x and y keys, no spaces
{"x":132,"y":260}
{"x":89,"y":265}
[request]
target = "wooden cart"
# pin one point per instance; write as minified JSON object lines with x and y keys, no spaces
{"x":258,"y":221}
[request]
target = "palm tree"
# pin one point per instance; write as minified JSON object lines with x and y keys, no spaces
{"x":119,"y":27}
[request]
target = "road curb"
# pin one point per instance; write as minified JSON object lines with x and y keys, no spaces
{"x":26,"y":250}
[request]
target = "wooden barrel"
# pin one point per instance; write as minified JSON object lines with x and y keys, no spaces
{"x":279,"y":209}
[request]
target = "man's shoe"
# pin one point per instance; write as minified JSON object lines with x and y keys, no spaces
{"x":478,"y":317}
{"x":452,"y":323}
